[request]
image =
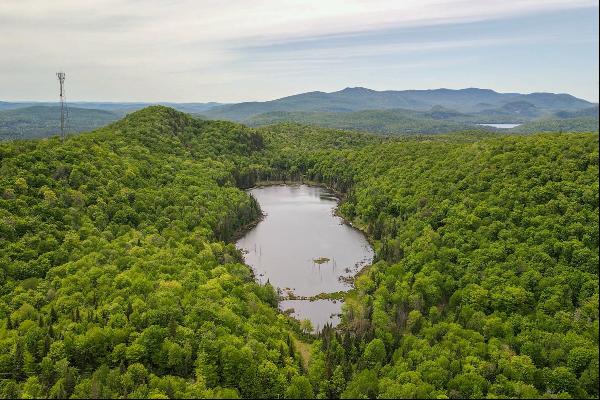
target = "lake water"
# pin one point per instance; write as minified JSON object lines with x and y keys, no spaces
{"x":501,"y":126}
{"x":320,"y":312}
{"x":303,"y":248}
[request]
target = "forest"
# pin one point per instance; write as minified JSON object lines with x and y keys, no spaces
{"x":119,"y":279}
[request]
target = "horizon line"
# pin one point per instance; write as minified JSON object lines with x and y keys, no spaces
{"x":595,"y":101}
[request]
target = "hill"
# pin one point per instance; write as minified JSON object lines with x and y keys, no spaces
{"x":579,"y":124}
{"x":591,"y":112}
{"x":438,"y":120}
{"x":356,"y":99}
{"x":389,"y":122}
{"x":115,"y":280}
{"x":30,"y":120}
{"x":387,"y":112}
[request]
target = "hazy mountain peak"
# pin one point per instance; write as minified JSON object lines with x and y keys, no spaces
{"x":357,"y":90}
{"x":359,"y":98}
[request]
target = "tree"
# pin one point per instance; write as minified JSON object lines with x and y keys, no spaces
{"x":299,"y":388}
{"x":306,"y":326}
{"x":364,"y":385}
{"x":374,"y":353}
{"x":469,"y":385}
{"x":561,"y":379}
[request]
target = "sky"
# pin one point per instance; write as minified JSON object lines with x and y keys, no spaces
{"x":247,"y":50}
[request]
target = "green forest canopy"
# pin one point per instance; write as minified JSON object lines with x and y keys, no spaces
{"x":118,"y":278}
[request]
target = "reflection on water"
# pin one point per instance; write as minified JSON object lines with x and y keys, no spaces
{"x":301,"y":246}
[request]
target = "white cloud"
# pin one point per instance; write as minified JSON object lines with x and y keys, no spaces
{"x":149,"y":44}
{"x":211,"y":21}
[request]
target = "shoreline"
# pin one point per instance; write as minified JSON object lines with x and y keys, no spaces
{"x":244,"y":229}
{"x":333,"y":296}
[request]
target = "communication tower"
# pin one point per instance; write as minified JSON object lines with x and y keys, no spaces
{"x":61,"y":80}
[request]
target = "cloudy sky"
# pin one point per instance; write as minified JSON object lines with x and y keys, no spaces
{"x":239,"y":50}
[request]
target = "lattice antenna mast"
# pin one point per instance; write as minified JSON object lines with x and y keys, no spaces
{"x":61,"y":80}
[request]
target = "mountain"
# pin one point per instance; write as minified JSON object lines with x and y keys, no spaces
{"x":591,"y":112}
{"x":121,"y":108}
{"x":516,"y":111}
{"x":43,"y":121}
{"x":552,"y":101}
{"x":357,"y":108}
{"x":469,"y":100}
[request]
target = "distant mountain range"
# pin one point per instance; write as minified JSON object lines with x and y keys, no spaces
{"x":483,"y":102}
{"x":388,"y":112}
{"x":115,"y":107}
{"x":44,"y":121}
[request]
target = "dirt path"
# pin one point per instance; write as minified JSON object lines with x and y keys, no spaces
{"x":304,"y":350}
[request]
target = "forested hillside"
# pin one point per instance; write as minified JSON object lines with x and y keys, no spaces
{"x":470,"y":100}
{"x":115,"y":278}
{"x":387,"y":122}
{"x":578,"y":124}
{"x":119,"y":280}
{"x":438,"y":120}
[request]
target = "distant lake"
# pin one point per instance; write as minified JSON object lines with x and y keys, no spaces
{"x":303,"y":248}
{"x":501,"y":126}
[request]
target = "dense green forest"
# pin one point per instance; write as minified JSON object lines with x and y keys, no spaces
{"x":487,"y":279}
{"x":437,"y":120}
{"x":387,"y":122}
{"x":118,"y":276}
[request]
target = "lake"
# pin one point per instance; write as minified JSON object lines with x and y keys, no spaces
{"x":320,"y":312}
{"x":501,"y":126}
{"x":304,"y":249}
